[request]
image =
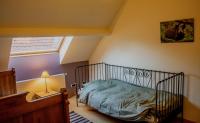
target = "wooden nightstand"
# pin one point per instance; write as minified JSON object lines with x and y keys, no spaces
{"x":44,"y":94}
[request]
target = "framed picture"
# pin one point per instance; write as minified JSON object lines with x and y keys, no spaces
{"x":177,"y":31}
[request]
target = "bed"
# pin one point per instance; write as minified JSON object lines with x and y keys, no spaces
{"x":130,"y":94}
{"x":24,"y":107}
{"x":7,"y":82}
{"x":51,"y":109}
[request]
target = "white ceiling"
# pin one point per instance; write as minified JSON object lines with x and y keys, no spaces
{"x":58,"y":13}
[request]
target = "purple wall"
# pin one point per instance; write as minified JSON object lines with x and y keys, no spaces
{"x":29,"y":67}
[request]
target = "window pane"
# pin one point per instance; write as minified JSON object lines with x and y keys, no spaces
{"x":35,"y":45}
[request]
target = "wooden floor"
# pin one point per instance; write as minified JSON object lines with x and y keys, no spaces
{"x":90,"y":114}
{"x":93,"y":115}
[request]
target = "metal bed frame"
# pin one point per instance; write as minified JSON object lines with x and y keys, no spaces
{"x":172,"y":83}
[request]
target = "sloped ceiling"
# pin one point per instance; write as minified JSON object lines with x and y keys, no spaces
{"x":57,"y":16}
{"x":79,"y":49}
{"x":86,"y":20}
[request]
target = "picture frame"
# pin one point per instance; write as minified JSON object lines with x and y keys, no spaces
{"x":177,"y":31}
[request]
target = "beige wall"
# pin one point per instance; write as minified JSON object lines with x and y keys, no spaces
{"x":5,"y":46}
{"x":135,"y":41}
{"x":55,"y":82}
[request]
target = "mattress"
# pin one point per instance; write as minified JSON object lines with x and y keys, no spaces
{"x":121,"y":100}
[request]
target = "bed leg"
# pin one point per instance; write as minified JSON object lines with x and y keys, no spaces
{"x":77,"y":101}
{"x":75,"y":85}
{"x":182,"y":119}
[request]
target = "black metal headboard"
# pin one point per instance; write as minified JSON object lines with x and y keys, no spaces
{"x":137,"y":76}
{"x":170,"y":83}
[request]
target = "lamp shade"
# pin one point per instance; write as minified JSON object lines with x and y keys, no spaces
{"x":45,"y":74}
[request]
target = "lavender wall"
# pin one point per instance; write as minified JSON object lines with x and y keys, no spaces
{"x":29,"y":67}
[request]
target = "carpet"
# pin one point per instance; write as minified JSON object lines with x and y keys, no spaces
{"x":76,"y":118}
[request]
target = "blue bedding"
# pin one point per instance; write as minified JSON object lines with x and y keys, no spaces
{"x":118,"y":99}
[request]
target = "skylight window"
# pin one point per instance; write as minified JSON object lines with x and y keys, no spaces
{"x":35,"y":45}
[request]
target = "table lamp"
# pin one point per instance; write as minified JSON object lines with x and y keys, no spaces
{"x":45,"y":75}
